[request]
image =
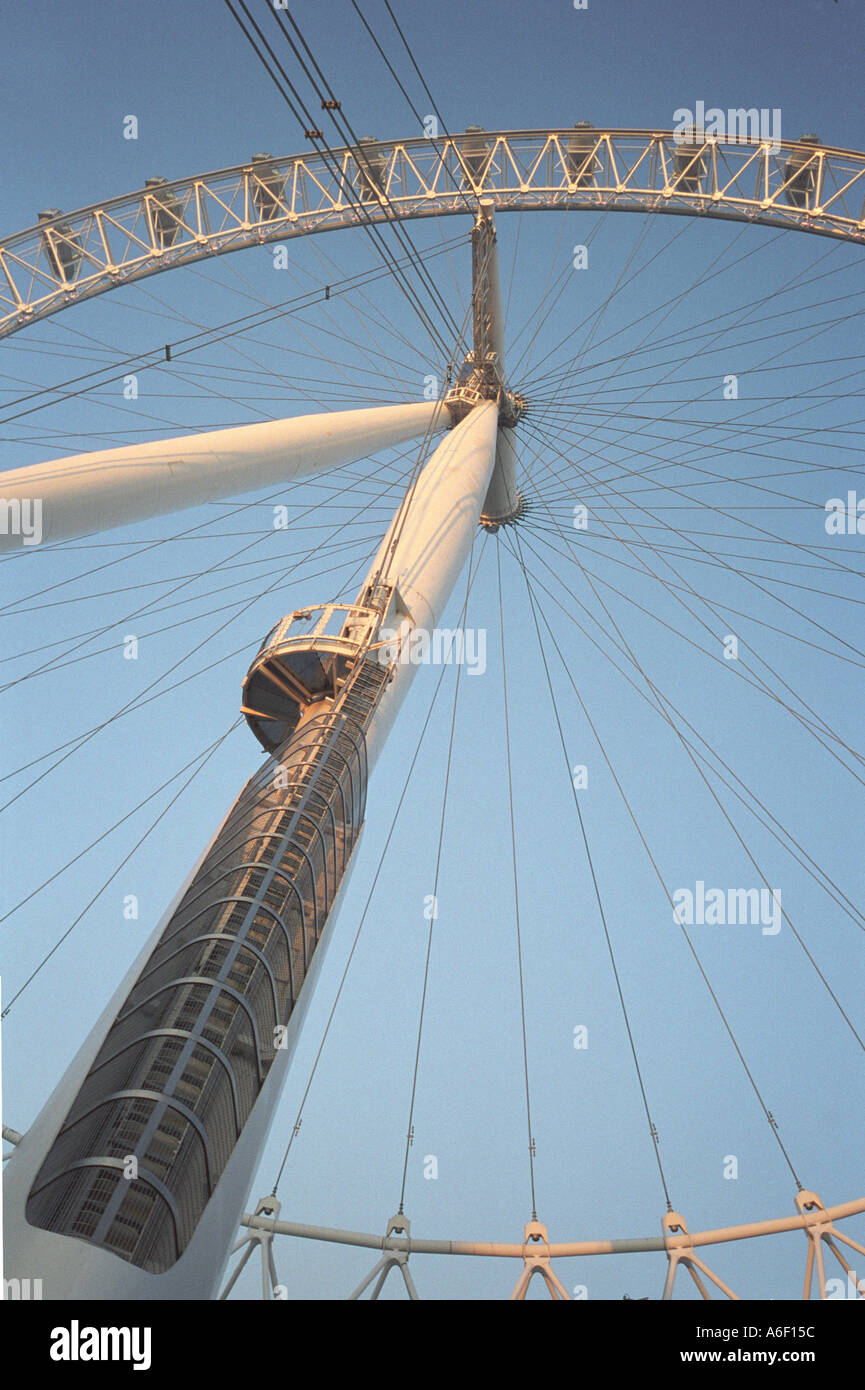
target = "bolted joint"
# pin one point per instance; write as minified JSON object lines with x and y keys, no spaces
{"x":491,"y":523}
{"x":512,"y":407}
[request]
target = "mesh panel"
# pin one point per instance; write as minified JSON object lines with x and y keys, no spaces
{"x":226,"y":971}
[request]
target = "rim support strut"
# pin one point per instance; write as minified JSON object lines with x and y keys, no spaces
{"x":262,"y":1237}
{"x":536,"y":1260}
{"x":816,"y":1232}
{"x":674,"y":1224}
{"x":391,"y":1259}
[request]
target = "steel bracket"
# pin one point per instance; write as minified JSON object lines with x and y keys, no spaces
{"x":673,"y":1224}
{"x":398,"y":1225}
{"x":817,"y":1231}
{"x":260,"y":1237}
{"x":536,"y":1260}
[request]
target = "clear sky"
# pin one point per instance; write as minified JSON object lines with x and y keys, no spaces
{"x":624,"y":364}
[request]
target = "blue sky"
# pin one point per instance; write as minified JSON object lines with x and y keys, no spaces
{"x":792,"y":339}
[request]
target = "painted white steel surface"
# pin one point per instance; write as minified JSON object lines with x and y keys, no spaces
{"x":501,"y":497}
{"x":74,"y":1269}
{"x":93,"y":492}
{"x":433,"y":542}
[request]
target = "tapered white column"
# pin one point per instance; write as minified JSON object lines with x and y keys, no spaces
{"x":488,"y":325}
{"x":503,"y":499}
{"x":114,"y":487}
{"x":425,"y":550}
{"x":428,"y":545}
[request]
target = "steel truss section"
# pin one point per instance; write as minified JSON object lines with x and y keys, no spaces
{"x":68,"y":257}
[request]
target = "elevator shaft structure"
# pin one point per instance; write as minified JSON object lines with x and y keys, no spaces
{"x":149,"y":1135}
{"x":131,"y":1182}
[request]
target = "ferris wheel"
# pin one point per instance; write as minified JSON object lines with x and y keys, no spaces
{"x":133,"y":1180}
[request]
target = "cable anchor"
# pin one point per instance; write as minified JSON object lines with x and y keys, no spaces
{"x":817,"y":1231}
{"x":393,"y":1258}
{"x":673,"y":1227}
{"x":262,"y":1237}
{"x":537,"y":1261}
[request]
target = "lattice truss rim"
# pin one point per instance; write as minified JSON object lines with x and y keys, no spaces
{"x":66,"y":258}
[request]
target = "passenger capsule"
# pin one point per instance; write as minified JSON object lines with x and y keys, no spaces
{"x":268,"y":187}
{"x":800,"y":174}
{"x":370,"y":169}
{"x":476,"y":153}
{"x":62,"y":246}
{"x":689,"y":161}
{"x":581,"y":159}
{"x":164,"y":211}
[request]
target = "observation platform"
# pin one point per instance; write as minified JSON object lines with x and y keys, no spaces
{"x":305,"y":659}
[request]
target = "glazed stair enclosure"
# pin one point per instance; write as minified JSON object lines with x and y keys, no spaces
{"x":186,"y":1058}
